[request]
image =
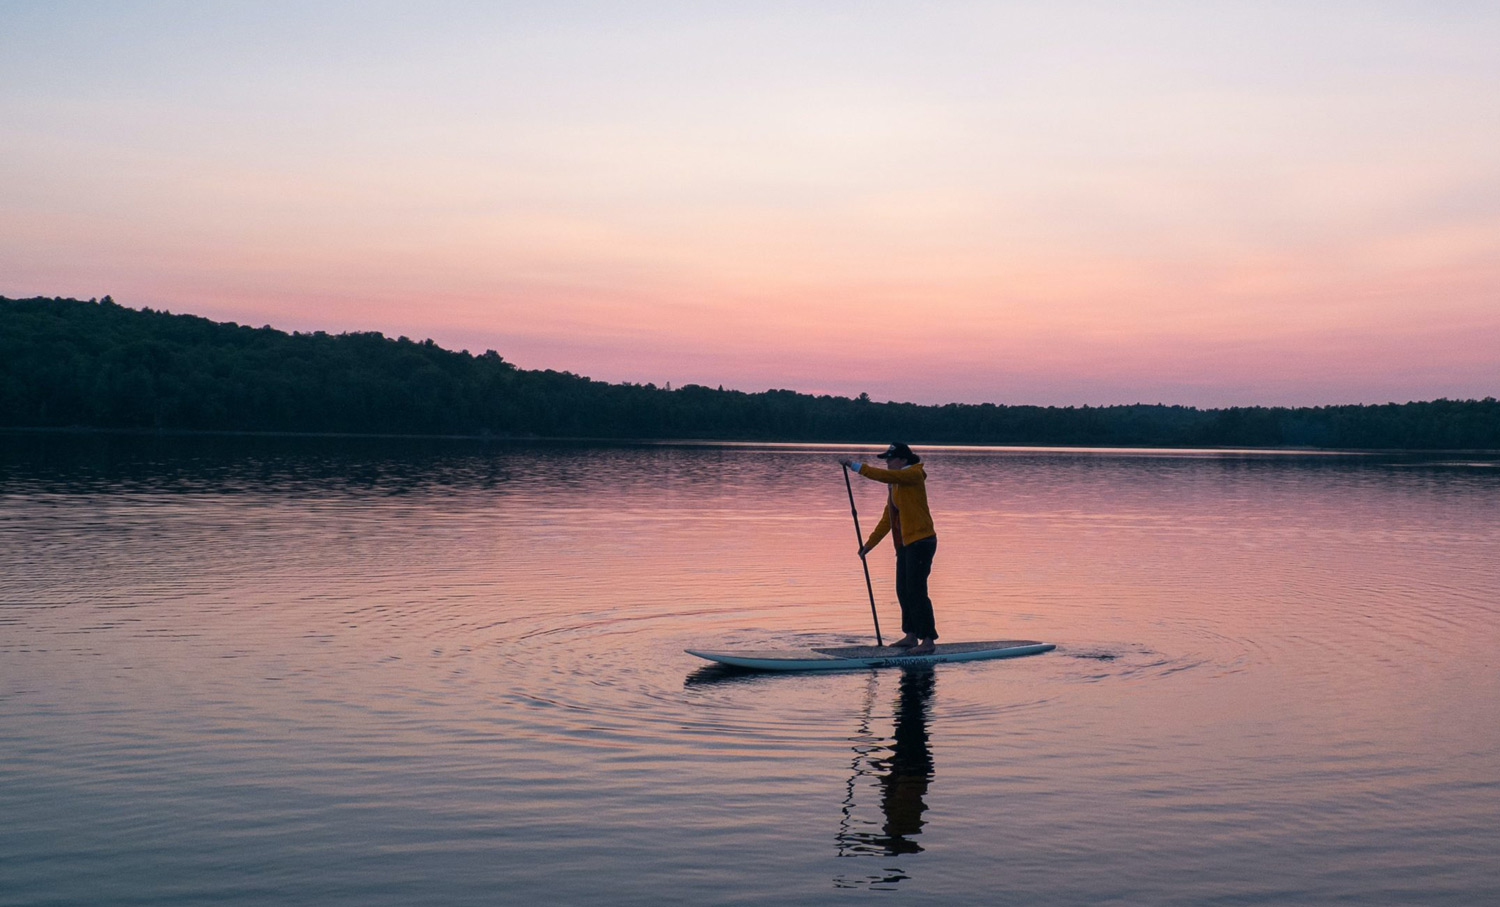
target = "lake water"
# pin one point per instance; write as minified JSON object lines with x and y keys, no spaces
{"x":380,"y":672}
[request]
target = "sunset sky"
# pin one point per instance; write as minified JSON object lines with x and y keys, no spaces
{"x":1197,"y":202}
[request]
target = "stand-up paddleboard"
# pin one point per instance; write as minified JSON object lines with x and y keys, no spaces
{"x":843,"y":658}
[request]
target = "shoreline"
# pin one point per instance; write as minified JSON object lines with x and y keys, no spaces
{"x":83,"y":430}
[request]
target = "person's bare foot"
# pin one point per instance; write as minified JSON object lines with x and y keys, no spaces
{"x":905,"y":642}
{"x":925,"y":647}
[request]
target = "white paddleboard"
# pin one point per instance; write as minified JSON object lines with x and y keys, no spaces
{"x":843,"y":658}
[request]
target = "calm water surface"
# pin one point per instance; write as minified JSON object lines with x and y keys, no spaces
{"x":345,"y":672}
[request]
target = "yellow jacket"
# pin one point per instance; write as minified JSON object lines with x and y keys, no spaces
{"x":909,"y":495}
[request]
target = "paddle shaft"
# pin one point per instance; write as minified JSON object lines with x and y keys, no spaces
{"x":860,"y":536}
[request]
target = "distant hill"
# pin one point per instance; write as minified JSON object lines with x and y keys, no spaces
{"x":67,"y":363}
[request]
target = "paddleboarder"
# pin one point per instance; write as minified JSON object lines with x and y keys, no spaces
{"x":909,"y":523}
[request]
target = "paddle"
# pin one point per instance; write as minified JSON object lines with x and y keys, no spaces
{"x":861,"y":537}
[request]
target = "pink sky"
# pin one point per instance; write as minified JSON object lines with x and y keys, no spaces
{"x":1257,"y":203}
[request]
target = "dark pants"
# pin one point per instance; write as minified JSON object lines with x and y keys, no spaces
{"x":913,"y":565}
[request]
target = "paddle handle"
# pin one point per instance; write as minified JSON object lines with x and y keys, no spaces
{"x":860,"y":537}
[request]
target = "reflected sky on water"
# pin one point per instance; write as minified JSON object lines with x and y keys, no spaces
{"x":344,"y":671}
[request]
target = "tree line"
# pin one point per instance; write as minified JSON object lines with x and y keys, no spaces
{"x":97,"y":364}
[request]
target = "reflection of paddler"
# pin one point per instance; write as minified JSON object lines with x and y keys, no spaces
{"x":909,"y":767}
{"x":909,"y":523}
{"x":902,"y":776}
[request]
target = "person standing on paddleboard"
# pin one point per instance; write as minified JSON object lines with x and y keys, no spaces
{"x":909,"y":522}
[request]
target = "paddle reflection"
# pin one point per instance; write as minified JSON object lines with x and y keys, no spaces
{"x":895,"y":771}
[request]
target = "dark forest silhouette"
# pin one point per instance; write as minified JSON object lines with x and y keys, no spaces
{"x":71,"y":363}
